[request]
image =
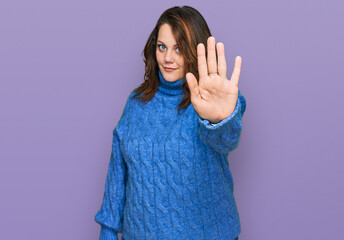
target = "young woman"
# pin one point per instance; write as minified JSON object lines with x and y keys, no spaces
{"x":168,"y":176}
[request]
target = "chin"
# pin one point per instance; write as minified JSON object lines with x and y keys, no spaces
{"x":171,"y":78}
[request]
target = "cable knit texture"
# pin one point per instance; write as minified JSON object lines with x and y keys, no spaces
{"x":168,"y":175}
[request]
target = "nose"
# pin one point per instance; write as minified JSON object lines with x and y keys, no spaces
{"x":168,"y":56}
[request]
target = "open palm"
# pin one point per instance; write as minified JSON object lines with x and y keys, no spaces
{"x":214,"y":97}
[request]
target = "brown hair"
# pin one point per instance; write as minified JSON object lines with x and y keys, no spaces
{"x":189,"y":29}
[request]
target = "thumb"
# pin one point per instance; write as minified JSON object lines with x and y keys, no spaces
{"x":193,"y":86}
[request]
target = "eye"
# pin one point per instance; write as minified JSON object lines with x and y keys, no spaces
{"x":159,"y":45}
{"x":178,"y":50}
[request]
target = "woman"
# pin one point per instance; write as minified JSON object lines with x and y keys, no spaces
{"x":168,"y":175}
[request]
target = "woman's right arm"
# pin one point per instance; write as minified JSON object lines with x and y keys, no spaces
{"x":111,"y":212}
{"x":110,"y":215}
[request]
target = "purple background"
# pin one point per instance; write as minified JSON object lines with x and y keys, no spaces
{"x":67,"y":67}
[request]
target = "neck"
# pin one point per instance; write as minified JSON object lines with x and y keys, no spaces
{"x":170,"y":88}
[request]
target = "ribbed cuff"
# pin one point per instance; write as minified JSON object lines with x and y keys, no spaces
{"x":107,"y":234}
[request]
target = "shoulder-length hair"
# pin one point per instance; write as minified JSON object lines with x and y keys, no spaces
{"x":189,"y":29}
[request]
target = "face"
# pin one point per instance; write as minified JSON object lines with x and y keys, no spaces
{"x":168,"y":55}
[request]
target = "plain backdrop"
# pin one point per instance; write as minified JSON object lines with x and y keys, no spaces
{"x":67,"y":68}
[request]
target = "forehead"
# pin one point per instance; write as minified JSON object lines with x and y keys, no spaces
{"x":165,"y":35}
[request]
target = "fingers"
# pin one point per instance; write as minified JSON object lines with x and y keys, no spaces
{"x":201,"y":61}
{"x":236,"y":71}
{"x":209,"y":64}
{"x":212,"y":64}
{"x":222,"y":65}
{"x":193,"y":86}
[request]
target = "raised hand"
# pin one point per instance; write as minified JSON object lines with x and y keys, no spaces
{"x":214,"y":97}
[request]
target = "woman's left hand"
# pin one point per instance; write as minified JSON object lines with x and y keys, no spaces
{"x":214,"y":97}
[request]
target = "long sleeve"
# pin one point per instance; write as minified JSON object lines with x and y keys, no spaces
{"x":225,"y":135}
{"x":110,"y":215}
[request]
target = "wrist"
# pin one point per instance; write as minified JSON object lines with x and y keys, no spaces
{"x":213,"y":123}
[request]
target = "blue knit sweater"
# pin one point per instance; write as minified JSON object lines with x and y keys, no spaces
{"x":168,"y":175}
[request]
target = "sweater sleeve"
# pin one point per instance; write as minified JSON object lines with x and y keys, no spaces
{"x":225,"y":135}
{"x":110,"y":215}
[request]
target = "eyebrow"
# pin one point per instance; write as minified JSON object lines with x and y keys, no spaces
{"x":164,"y":43}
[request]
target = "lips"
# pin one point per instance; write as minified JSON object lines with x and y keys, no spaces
{"x":169,"y":69}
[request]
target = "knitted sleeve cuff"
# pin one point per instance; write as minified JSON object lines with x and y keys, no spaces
{"x":107,"y":233}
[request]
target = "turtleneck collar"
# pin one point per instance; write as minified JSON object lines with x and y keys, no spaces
{"x":170,"y":88}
